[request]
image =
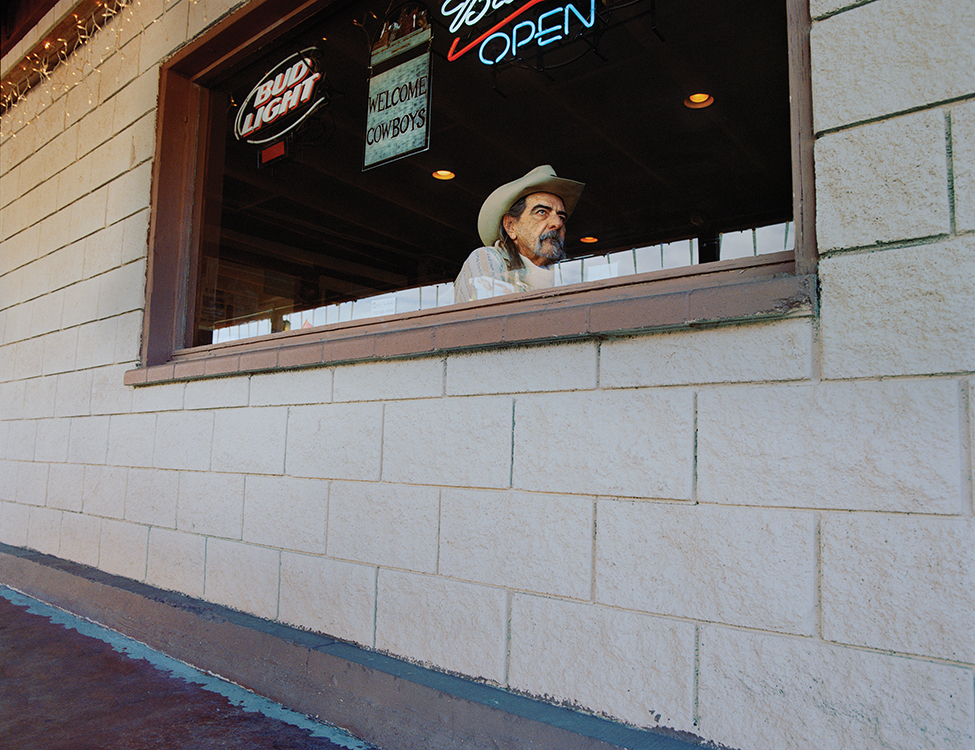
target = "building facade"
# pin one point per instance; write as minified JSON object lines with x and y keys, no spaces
{"x":752,"y":522}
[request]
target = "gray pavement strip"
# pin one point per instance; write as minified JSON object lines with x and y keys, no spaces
{"x":239,"y":696}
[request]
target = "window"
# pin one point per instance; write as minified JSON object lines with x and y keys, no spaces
{"x":309,"y":242}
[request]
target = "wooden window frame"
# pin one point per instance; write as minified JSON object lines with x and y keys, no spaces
{"x":763,"y":287}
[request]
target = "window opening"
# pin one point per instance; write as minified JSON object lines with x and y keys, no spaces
{"x":307,"y":236}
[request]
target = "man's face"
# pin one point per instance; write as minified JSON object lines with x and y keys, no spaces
{"x":539,"y":234}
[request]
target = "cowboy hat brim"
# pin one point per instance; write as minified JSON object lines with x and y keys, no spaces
{"x":540,"y":180}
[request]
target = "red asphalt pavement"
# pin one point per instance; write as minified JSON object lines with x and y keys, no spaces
{"x":61,"y":690}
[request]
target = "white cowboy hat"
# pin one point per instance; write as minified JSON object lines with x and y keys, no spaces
{"x":540,"y":180}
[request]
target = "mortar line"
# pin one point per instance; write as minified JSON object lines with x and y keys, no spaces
{"x":507,"y":637}
{"x":595,"y":531}
{"x":949,"y":153}
{"x":375,"y":606}
{"x":891,"y":115}
{"x":818,"y":572}
{"x":967,"y":418}
{"x":694,"y":457}
{"x":696,"y":698}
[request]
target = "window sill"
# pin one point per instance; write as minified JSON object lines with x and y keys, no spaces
{"x":759,"y":288}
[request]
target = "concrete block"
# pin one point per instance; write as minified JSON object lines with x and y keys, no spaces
{"x":129,"y":193}
{"x":13,"y":523}
{"x":103,"y":492}
{"x":176,"y":561}
{"x":887,"y":57}
{"x":150,"y":497}
{"x":780,"y":350}
{"x":216,"y":393}
{"x":108,"y":393}
{"x":79,"y":538}
{"x":387,"y":381}
{"x":633,"y":443}
{"x":287,"y":513}
{"x":328,"y":596}
{"x":900,"y":584}
{"x":457,"y":441}
{"x":130,"y":439}
{"x":766,"y":692}
{"x":162,"y":38}
{"x":103,"y":250}
{"x":749,"y":567}
{"x":73,"y":396}
{"x":88,"y":440}
{"x":21,"y":440}
{"x":565,"y":367}
{"x":44,"y":530}
{"x":183,"y":440}
{"x":72,"y":183}
{"x":80,"y":302}
{"x":963,"y":164}
{"x":128,"y":339}
{"x":540,"y":543}
{"x":846,"y":445}
{"x":51,"y":440}
{"x":135,"y":237}
{"x":136,"y":99}
{"x":311,"y":386}
{"x":122,"y":290}
{"x":243,"y":577}
{"x":250,"y":440}
{"x":882,"y":182}
{"x":637,"y":668}
{"x":456,"y":626}
{"x":211,"y":504}
{"x":158,"y":397}
{"x":31,"y":488}
{"x":60,"y":349}
{"x":384,"y":524}
{"x":88,"y":214}
{"x":341,"y":441}
{"x":123,"y":549}
{"x":118,"y":69}
{"x":96,"y":343}
{"x":39,"y":397}
{"x":96,"y":126}
{"x":899,"y":312}
{"x":64,"y":486}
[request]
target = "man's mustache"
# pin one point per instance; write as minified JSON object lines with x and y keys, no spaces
{"x":558,"y":244}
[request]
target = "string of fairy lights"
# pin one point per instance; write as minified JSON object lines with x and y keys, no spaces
{"x":71,"y":55}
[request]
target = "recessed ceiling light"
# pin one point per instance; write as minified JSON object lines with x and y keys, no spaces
{"x":444,"y":174}
{"x":699,"y":101}
{"x":588,"y":240}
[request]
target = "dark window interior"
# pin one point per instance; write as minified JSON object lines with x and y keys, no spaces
{"x":605,"y":108}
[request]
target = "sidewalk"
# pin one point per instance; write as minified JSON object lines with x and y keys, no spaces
{"x":68,"y":684}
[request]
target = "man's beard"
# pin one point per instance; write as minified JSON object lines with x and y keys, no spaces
{"x":553,"y":252}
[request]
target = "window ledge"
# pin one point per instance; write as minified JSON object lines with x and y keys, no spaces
{"x":749,"y":289}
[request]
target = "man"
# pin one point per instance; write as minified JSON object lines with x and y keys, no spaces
{"x":522,"y":226}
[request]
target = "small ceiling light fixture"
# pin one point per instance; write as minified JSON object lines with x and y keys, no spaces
{"x":444,"y":174}
{"x":589,"y":240}
{"x":698,"y":101}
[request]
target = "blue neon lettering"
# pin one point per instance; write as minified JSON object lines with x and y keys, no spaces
{"x":551,"y":30}
{"x":541,"y":33}
{"x":507,"y":46}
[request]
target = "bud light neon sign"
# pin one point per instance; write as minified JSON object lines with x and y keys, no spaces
{"x":282,"y":99}
{"x":504,"y":40}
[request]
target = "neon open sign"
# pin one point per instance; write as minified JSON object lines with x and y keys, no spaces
{"x":506,"y":38}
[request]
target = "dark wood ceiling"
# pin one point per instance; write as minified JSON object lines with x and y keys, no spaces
{"x":607,"y":112}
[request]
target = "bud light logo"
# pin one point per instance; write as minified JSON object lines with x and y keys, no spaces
{"x":282,"y":99}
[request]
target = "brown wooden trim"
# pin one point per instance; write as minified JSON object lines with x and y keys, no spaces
{"x":800,"y":104}
{"x":595,"y":313}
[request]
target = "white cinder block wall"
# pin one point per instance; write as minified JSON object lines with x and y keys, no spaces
{"x":760,"y":533}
